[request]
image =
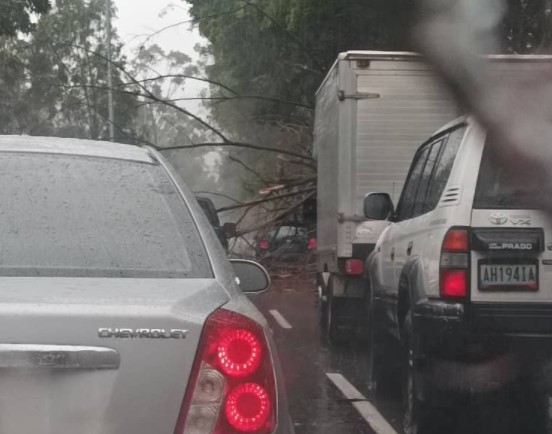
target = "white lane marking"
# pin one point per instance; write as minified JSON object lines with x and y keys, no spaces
{"x":374,"y":418}
{"x":280,"y":319}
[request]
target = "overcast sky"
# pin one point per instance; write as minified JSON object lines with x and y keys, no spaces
{"x":137,"y":19}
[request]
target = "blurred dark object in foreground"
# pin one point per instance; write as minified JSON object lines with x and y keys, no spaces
{"x":516,"y":110}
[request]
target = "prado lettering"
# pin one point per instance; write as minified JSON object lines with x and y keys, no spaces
{"x":510,"y":246}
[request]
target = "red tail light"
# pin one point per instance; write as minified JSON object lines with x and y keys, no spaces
{"x":231,"y":389}
{"x":247,"y":407}
{"x":239,"y":353}
{"x":354,"y":266}
{"x":456,"y":240}
{"x":455,"y":263}
{"x":263,"y":244}
{"x":454,"y":283}
{"x":312,"y":243}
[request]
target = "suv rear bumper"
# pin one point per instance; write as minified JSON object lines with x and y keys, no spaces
{"x":478,"y":346}
{"x":456,"y":327}
{"x":512,"y":318}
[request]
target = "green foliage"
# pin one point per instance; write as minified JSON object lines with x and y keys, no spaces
{"x":55,"y":82}
{"x":15,"y":16}
{"x":527,"y":27}
{"x":283,"y":48}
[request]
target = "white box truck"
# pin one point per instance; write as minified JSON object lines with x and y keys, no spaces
{"x":373,"y":110}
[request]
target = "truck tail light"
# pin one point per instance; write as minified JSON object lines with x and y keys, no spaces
{"x":454,"y":264}
{"x":263,"y":244}
{"x":231,"y":389}
{"x":354,"y":266}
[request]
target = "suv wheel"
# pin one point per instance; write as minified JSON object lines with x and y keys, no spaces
{"x":378,"y":357}
{"x":416,"y":412}
{"x":382,"y":370}
{"x":373,"y":351}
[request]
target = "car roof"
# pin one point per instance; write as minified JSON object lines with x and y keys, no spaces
{"x":80,"y":147}
{"x":465,"y":119}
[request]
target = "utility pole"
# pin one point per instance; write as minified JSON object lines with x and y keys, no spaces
{"x":109,"y":71}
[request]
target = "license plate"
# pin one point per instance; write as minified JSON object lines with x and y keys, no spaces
{"x":508,"y":276}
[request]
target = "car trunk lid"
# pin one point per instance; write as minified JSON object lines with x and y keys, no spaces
{"x":98,"y":355}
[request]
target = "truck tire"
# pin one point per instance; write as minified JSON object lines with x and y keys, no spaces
{"x":417,"y":414}
{"x":338,"y":331}
{"x":321,"y":302}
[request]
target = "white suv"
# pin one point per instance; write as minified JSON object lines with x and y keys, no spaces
{"x":461,"y":277}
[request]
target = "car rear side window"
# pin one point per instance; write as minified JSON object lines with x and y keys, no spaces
{"x":79,"y":216}
{"x":420,"y":204}
{"x":408,"y":197}
{"x":442,"y":170}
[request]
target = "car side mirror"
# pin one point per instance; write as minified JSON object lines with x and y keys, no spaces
{"x":230,"y":229}
{"x":253,"y":278}
{"x":378,"y":206}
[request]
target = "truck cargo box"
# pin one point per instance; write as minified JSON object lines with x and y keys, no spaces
{"x":373,"y":110}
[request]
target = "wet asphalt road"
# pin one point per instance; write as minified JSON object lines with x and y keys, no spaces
{"x":316,"y":403}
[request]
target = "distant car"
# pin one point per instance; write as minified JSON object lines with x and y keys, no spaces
{"x":119,"y":313}
{"x":289,"y":241}
{"x":223,"y":232}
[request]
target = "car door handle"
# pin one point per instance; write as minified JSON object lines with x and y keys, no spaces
{"x":393,"y":254}
{"x":409,"y":248}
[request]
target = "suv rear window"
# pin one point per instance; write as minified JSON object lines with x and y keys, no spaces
{"x":75,"y":216}
{"x":495,"y":189}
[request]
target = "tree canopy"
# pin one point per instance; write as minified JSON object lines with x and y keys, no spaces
{"x":15,"y":16}
{"x":54,"y":82}
{"x":282,"y":49}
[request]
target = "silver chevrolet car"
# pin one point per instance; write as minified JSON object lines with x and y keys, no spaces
{"x":119,"y":312}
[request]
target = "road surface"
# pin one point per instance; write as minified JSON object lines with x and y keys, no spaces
{"x":314,"y":372}
{"x":327,"y":388}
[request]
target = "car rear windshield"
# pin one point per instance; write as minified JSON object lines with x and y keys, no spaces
{"x":497,"y":187}
{"x":75,"y":216}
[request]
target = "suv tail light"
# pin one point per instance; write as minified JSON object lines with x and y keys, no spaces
{"x":454,"y":264}
{"x":263,"y":244}
{"x":456,"y":240}
{"x":231,"y":389}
